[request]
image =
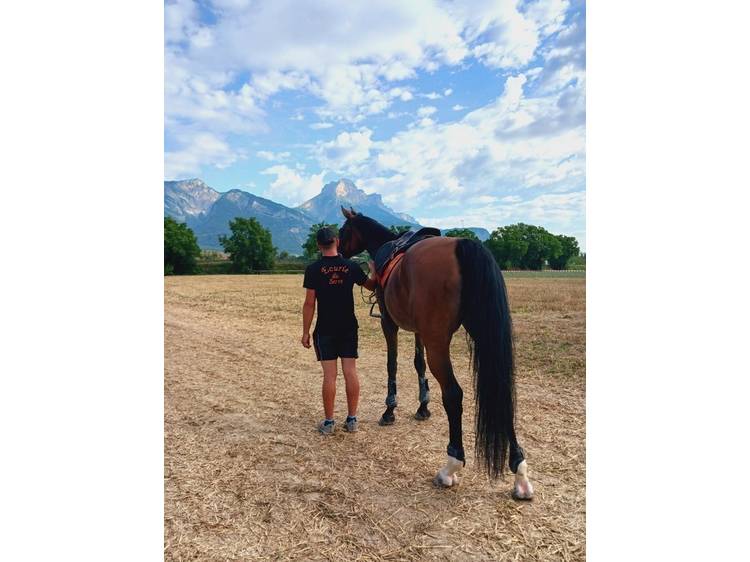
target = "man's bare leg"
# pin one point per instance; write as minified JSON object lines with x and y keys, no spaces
{"x":349,"y":365}
{"x":329,"y":386}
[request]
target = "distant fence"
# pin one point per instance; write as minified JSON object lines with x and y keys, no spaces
{"x":506,"y":273}
{"x":223,"y":267}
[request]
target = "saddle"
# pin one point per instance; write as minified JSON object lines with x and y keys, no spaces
{"x":391,"y":253}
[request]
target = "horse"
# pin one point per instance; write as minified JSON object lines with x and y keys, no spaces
{"x":440,"y":284}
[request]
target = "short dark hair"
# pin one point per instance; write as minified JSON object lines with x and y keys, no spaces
{"x":325,"y":236}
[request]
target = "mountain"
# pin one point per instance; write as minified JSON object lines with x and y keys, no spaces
{"x":326,"y":206}
{"x":208,"y":212}
{"x":289,"y":227}
{"x":187,"y":200}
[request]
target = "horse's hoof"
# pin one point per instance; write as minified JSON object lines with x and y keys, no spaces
{"x":441,"y":481}
{"x":387,"y":421}
{"x":523,"y":491}
{"x":518,"y":497}
{"x":422,"y":415}
{"x":522,"y":488}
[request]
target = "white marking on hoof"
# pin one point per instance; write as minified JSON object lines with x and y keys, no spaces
{"x":522,"y":489}
{"x":447,"y":476}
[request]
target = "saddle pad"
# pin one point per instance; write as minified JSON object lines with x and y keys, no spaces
{"x":383,"y":279}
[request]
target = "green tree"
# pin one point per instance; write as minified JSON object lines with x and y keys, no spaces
{"x":399,"y":229}
{"x":462,"y":233}
{"x":543,"y":247}
{"x":310,"y":246}
{"x":508,"y":246}
{"x":577,"y":262}
{"x":181,"y":249}
{"x":250,"y":247}
{"x":568,"y":249}
{"x":523,"y":246}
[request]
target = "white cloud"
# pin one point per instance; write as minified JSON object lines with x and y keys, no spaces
{"x":200,"y":103}
{"x":346,"y":152}
{"x":402,"y":93}
{"x":348,"y":66}
{"x":426,"y":110}
{"x":555,"y":212}
{"x":230,"y":5}
{"x":180,"y":20}
{"x":290,"y":187}
{"x":281,"y":45}
{"x":517,"y":154}
{"x":516,"y":157}
{"x":196,"y":151}
{"x":548,"y":15}
{"x":565,"y":60}
{"x":272,"y":156}
{"x":506,"y":33}
{"x":268,"y":83}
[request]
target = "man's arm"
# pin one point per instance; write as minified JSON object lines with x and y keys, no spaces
{"x":308,"y":310}
{"x":372,"y":281}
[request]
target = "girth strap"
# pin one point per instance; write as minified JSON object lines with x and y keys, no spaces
{"x":383,"y":278}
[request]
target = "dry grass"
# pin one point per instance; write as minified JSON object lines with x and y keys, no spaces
{"x":248,"y":477}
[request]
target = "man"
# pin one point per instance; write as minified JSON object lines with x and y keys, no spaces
{"x":329,"y":281}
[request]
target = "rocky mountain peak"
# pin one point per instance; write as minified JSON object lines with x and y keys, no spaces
{"x":326,"y":206}
{"x":209,"y":212}
{"x":342,"y":189}
{"x":188,"y":198}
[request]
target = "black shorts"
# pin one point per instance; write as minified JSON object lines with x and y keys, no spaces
{"x":333,"y":347}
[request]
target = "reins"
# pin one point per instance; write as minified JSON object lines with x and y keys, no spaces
{"x":371,"y":299}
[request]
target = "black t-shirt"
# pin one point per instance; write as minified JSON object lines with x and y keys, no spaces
{"x":332,"y":277}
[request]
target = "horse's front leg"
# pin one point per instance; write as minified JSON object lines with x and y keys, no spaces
{"x":390,"y":330}
{"x":424,"y":388}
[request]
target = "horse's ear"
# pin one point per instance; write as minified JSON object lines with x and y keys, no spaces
{"x":352,"y":211}
{"x":347,"y":214}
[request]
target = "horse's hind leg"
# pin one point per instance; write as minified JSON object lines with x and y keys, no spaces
{"x":522,"y":488}
{"x":424,"y":389}
{"x":390,"y":330}
{"x":438,"y":357}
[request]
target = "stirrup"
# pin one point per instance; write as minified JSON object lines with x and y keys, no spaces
{"x":374,"y":314}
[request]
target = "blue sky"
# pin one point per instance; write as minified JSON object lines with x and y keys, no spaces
{"x":458,"y":113}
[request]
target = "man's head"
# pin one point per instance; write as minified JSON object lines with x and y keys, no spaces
{"x":327,"y":240}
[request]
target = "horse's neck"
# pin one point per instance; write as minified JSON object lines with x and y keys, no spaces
{"x":377,"y":239}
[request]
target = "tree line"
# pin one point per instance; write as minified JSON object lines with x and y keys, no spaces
{"x":250,"y":247}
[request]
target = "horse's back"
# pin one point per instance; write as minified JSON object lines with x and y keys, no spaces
{"x":424,"y":292}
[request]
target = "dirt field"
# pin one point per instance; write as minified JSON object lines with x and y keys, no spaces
{"x":248,"y":477}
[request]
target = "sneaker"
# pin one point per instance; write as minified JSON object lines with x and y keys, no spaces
{"x":326,"y":428}
{"x":351,"y":424}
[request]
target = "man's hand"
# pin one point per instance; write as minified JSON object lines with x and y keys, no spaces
{"x":306,"y":340}
{"x":372,"y":282}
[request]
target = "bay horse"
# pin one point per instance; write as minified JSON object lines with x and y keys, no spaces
{"x":440,"y":284}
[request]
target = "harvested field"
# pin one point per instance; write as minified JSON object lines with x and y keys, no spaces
{"x":248,"y":477}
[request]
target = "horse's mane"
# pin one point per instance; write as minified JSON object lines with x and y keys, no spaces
{"x":372,"y":230}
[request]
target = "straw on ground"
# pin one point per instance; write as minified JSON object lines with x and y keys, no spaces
{"x":248,"y":477}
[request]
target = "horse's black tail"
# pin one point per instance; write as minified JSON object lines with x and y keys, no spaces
{"x":486,"y":317}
